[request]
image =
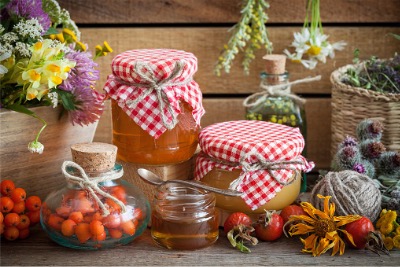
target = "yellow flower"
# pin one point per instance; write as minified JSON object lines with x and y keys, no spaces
{"x":81,"y":46}
{"x":386,"y":227}
{"x":396,"y":241}
{"x":68,"y":34}
{"x":398,"y":230}
{"x":323,"y":228}
{"x":107,"y":47}
{"x":388,"y":242}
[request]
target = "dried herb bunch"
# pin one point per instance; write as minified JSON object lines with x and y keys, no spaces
{"x":375,"y":74}
{"x":248,"y":35}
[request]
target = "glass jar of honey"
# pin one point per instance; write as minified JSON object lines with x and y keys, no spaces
{"x":156,"y":106}
{"x":221,"y":178}
{"x":184,"y":218}
{"x":261,"y":159}
{"x":95,"y":209}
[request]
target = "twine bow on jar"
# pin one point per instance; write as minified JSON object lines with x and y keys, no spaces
{"x":262,"y":164}
{"x":277,"y":90}
{"x":91,"y":184}
{"x":153,"y":85}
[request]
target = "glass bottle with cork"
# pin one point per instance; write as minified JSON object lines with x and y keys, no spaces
{"x":276,"y":103}
{"x":96,"y":209}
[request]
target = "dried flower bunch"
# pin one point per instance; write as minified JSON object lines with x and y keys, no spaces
{"x":375,"y":74}
{"x":311,"y":44}
{"x":368,"y":155}
{"x":248,"y":35}
{"x":44,"y":63}
{"x":389,"y":225}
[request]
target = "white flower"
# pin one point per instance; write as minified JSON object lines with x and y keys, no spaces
{"x":36,"y":147}
{"x":4,"y":56}
{"x":30,"y":28}
{"x":54,"y":98}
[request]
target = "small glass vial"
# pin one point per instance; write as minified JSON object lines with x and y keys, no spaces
{"x":184,"y":218}
{"x":277,"y":108}
{"x":95,"y":209}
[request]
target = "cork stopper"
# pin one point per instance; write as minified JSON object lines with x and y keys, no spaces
{"x":275,"y":64}
{"x":94,"y":157}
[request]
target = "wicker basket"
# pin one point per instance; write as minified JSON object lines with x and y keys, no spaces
{"x":350,"y":105}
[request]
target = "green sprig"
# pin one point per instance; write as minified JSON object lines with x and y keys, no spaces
{"x":248,"y":35}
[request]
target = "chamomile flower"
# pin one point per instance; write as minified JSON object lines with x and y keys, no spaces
{"x":311,"y":45}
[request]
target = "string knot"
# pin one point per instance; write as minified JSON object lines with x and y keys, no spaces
{"x":153,"y":85}
{"x":262,"y":164}
{"x":91,"y":185}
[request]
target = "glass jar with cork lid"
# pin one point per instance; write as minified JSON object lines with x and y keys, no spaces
{"x":95,"y":209}
{"x":156,"y":106}
{"x":261,"y":159}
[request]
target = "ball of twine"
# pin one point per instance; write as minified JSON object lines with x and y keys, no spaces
{"x":353,"y":194}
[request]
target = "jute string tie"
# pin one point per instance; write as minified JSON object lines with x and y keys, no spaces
{"x":260,"y":164}
{"x":157,"y":86}
{"x":277,"y":90}
{"x":91,"y":184}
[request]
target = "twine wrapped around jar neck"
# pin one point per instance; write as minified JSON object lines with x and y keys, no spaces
{"x":157,"y":86}
{"x":260,"y":164}
{"x":91,"y":184}
{"x":277,"y":90}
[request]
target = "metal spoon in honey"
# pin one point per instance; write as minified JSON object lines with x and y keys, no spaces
{"x":152,"y":178}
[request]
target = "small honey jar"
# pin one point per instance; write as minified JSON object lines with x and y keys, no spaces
{"x":261,"y":159}
{"x":184,"y":218}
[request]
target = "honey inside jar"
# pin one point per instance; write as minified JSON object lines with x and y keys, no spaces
{"x":137,"y":146}
{"x":220,"y":178}
{"x":184,"y":218}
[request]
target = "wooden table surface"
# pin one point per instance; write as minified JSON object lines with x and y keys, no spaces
{"x":38,"y":249}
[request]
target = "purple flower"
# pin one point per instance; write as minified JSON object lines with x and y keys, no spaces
{"x":349,"y":141}
{"x":83,"y":74}
{"x":29,"y":9}
{"x":358,"y":167}
{"x":88,"y":106}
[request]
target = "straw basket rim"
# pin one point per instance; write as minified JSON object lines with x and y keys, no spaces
{"x":336,"y":79}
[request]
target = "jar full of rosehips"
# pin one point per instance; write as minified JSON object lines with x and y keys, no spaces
{"x":96,"y":208}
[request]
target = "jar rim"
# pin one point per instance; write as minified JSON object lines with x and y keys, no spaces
{"x":115,"y":170}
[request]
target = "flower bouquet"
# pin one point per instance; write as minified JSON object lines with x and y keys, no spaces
{"x":44,"y":63}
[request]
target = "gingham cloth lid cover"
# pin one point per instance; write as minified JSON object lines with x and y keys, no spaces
{"x":126,"y":84}
{"x":240,"y":144}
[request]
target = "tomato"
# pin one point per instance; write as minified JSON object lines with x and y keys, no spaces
{"x":269,"y":227}
{"x":235,"y":219}
{"x":359,"y":230}
{"x":290,"y":210}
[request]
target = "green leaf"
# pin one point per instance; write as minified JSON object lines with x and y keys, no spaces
{"x":21,"y":109}
{"x":397,"y":36}
{"x":67,"y":99}
{"x":3,"y":3}
{"x":51,"y":30}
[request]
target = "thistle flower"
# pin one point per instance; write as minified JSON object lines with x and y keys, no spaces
{"x":389,"y":163}
{"x":358,"y":167}
{"x":322,"y":227}
{"x":348,"y":141}
{"x":371,"y":149}
{"x":369,"y":129}
{"x":345,"y":158}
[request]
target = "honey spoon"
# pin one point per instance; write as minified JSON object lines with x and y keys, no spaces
{"x":152,"y":178}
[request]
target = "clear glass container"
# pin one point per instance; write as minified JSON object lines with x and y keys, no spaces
{"x":220,"y":178}
{"x":72,"y":218}
{"x":184,"y":218}
{"x":278,"y":109}
{"x":137,"y":146}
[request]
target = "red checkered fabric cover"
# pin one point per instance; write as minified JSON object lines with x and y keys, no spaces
{"x":126,"y":84}
{"x":237,"y":144}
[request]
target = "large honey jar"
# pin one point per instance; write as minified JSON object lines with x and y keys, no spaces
{"x":261,"y":159}
{"x":156,"y":106}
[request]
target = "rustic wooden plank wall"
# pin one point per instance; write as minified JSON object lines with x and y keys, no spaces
{"x":200,"y":26}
